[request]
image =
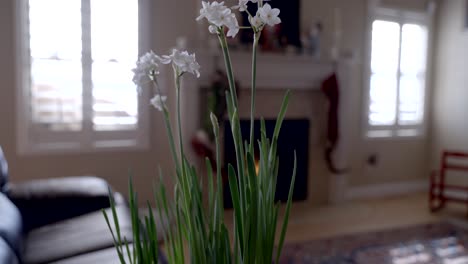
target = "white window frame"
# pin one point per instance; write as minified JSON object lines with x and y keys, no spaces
{"x":396,"y":131}
{"x":31,"y":140}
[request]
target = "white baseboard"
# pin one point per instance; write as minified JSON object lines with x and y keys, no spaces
{"x":386,"y":189}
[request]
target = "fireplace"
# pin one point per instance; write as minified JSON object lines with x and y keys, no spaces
{"x":294,"y":136}
{"x":303,"y":75}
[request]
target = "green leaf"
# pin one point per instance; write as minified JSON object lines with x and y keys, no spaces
{"x":282,"y":113}
{"x":288,"y":209}
{"x":129,"y":253}
{"x":236,"y":204}
{"x":153,"y":234}
{"x":211,"y":194}
{"x":135,"y":221}
{"x":229,"y":105}
{"x":117,"y":242}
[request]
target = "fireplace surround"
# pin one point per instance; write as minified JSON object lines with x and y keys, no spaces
{"x":303,"y":75}
{"x":294,"y":137}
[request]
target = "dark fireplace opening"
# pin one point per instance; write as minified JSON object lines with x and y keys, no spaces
{"x":294,"y":136}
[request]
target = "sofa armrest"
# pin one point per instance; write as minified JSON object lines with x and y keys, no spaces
{"x":43,"y":202}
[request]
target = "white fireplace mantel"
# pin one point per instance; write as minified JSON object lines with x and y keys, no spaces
{"x":274,"y":71}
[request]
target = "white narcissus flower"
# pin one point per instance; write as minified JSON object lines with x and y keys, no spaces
{"x":256,"y":22}
{"x":213,"y":12}
{"x":213,"y":29}
{"x":269,"y":15}
{"x":232,"y":25}
{"x":219,"y":15}
{"x":184,"y":62}
{"x":147,"y":67}
{"x":242,"y":6}
{"x":158,"y":101}
{"x":209,"y":9}
{"x":221,"y":18}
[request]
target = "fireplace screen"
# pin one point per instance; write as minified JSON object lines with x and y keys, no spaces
{"x":294,"y":136}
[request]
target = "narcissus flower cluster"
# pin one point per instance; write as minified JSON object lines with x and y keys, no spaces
{"x":220,"y":16}
{"x":147,"y":68}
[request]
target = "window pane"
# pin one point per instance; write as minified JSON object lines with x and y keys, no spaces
{"x":114,"y":30}
{"x":115,"y":97}
{"x":413,"y":49}
{"x":411,"y":100}
{"x":383,"y":92}
{"x":56,"y":75}
{"x":114,"y":51}
{"x":55,"y":29}
{"x":385,"y":47}
{"x":56,"y":95}
{"x":384,"y":67}
{"x":413,"y":72}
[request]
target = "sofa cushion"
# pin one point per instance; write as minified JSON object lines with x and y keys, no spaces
{"x":10,"y":224}
{"x":106,"y":256}
{"x":46,"y":201}
{"x":3,"y":172}
{"x":7,"y":256}
{"x":73,"y":237}
{"x":77,"y":186}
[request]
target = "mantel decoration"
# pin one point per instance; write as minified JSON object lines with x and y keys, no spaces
{"x":196,"y":232}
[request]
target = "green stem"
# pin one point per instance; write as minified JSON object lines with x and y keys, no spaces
{"x":254,"y":88}
{"x":237,"y":136}
{"x":184,"y":179}
{"x":229,"y":72}
{"x":180,"y":165}
{"x":177,"y":77}
{"x":248,"y":13}
{"x":167,"y":123}
{"x":219,"y":190}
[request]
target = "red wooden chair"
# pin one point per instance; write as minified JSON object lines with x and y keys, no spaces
{"x":440,"y":192}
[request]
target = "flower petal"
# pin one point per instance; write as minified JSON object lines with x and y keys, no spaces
{"x":275,"y":12}
{"x":213,"y":29}
{"x":158,"y":101}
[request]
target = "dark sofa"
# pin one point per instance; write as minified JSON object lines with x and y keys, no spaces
{"x":57,"y":220}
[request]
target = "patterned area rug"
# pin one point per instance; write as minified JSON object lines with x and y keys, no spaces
{"x":444,"y":243}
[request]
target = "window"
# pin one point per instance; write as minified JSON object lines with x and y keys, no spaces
{"x":76,"y":90}
{"x":397,"y":76}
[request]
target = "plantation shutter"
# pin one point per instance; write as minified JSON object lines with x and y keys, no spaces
{"x":114,"y":50}
{"x":56,"y":70}
{"x":397,"y":77}
{"x":384,"y":76}
{"x":412,"y":74}
{"x":81,"y":56}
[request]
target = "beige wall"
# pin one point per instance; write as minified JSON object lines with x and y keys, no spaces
{"x":450,"y":101}
{"x":398,"y":160}
{"x":353,"y":18}
{"x":169,"y":21}
{"x":416,"y":5}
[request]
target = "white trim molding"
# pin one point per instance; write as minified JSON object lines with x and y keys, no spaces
{"x":386,"y":189}
{"x":279,"y":71}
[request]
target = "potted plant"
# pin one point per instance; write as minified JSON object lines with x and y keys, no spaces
{"x":199,"y":234}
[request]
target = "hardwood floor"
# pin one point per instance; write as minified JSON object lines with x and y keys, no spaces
{"x":307,"y":222}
